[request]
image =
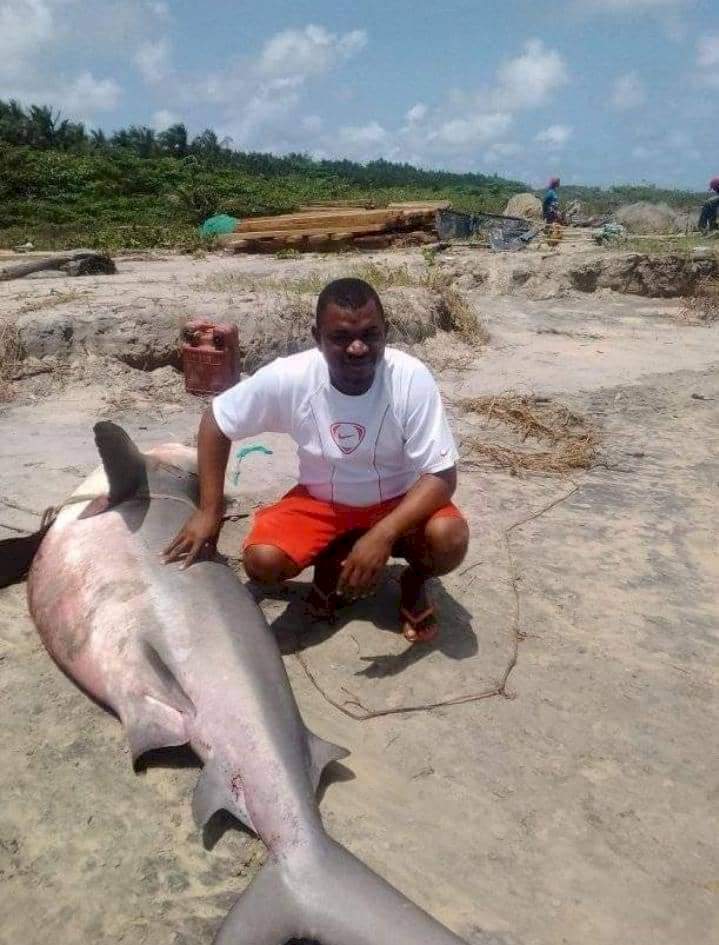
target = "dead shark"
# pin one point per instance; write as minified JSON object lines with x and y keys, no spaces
{"x":186,"y":657}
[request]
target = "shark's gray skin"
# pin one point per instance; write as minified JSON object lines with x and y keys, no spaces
{"x":186,"y":657}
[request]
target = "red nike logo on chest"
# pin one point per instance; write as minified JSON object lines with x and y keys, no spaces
{"x":347,"y":435}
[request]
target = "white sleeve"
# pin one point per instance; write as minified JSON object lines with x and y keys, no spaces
{"x":429,"y":444}
{"x":255,"y":405}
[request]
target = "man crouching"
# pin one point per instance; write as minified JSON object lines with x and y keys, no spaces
{"x":377,"y":465}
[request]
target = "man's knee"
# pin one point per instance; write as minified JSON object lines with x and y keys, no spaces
{"x":267,"y":564}
{"x":443,"y":544}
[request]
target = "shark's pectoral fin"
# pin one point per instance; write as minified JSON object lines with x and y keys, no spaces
{"x":216,"y":790}
{"x":151,"y":724}
{"x":321,"y":754}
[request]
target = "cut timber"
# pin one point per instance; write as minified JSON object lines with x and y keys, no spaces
{"x":340,"y":205}
{"x":329,"y":227}
{"x":81,"y":262}
{"x":231,"y":238}
{"x":335,"y":220}
{"x":429,"y":205}
{"x":378,"y":241}
{"x":302,"y":242}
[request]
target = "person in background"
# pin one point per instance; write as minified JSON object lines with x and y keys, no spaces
{"x":550,"y":204}
{"x":710,"y":210}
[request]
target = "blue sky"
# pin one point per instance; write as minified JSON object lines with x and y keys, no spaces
{"x":599,"y":91}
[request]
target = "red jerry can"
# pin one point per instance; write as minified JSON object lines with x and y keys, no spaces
{"x":210,"y":357}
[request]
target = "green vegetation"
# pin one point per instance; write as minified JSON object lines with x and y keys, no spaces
{"x":603,"y":200}
{"x":62,"y":185}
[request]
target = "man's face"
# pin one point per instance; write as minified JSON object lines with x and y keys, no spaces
{"x":352,"y":341}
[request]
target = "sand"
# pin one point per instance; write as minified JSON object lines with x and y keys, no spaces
{"x":578,"y":805}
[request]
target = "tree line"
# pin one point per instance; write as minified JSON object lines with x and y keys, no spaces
{"x":43,"y":128}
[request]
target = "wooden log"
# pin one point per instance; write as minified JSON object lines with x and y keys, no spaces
{"x":81,"y":262}
{"x":231,"y":238}
{"x":429,"y":205}
{"x":377,"y":241}
{"x":335,"y":220}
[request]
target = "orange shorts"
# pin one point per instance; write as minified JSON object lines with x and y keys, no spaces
{"x":303,"y":527}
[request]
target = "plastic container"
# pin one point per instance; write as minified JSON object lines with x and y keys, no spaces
{"x":210,"y":357}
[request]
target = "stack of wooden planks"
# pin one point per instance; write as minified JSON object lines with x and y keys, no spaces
{"x":320,"y":228}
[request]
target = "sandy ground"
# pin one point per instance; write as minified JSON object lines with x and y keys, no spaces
{"x":579,"y":806}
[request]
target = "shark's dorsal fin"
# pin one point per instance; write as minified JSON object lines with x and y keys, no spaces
{"x":124,"y":464}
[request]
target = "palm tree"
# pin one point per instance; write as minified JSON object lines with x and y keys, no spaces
{"x":174,"y":140}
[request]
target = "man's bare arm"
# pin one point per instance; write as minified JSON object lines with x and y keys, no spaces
{"x":370,"y":553}
{"x":213,"y":451}
{"x":429,"y":494}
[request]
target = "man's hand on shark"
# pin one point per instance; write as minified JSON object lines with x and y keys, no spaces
{"x":197,"y":535}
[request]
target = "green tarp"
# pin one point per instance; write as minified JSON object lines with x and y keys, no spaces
{"x":217,"y":225}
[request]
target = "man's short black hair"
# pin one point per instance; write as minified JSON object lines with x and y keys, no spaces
{"x":347,"y":293}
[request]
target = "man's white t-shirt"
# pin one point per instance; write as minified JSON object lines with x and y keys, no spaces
{"x":353,"y":449}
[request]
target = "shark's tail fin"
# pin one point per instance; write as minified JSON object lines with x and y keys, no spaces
{"x":327,"y":896}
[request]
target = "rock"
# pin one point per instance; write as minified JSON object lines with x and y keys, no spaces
{"x":702,"y":252}
{"x":646,"y":218}
{"x":526,"y":206}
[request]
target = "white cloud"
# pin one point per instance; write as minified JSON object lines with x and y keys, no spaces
{"x":261,"y":96}
{"x":312,"y":123}
{"x":163,"y":118}
{"x":310,"y":51}
{"x":708,"y":60}
{"x":153,"y":60}
{"x":473,"y":130}
{"x":708,"y":51}
{"x":25,"y":26}
{"x":161,"y":9}
{"x":89,"y":95}
{"x":528,"y":80}
{"x":629,"y":92}
{"x":361,"y":142}
{"x":641,"y":152}
{"x":554,"y":137}
{"x":416,"y":113}
{"x":501,"y":151}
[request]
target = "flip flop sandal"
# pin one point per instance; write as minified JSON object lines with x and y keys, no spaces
{"x":320,"y":605}
{"x":413,"y":629}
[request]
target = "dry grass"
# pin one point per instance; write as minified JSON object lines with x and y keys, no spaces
{"x":287,"y":333}
{"x":10,"y":356}
{"x":559,"y":440}
{"x":312,"y":283}
{"x":52,"y":300}
{"x":703,"y":309}
{"x":456,"y":315}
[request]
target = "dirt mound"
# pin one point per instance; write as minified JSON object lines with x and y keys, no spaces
{"x":645,"y":218}
{"x":656,"y":277}
{"x":703,"y":309}
{"x":544,"y":276}
{"x":270,"y":324}
{"x":526,"y":206}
